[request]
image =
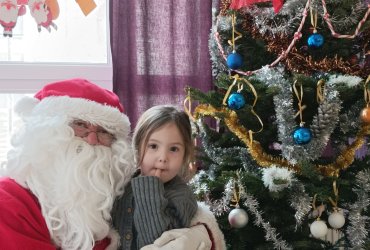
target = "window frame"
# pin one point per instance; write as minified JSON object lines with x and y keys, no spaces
{"x":31,"y":77}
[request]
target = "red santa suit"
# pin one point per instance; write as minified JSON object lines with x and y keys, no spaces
{"x":22,"y":225}
{"x":49,"y":203}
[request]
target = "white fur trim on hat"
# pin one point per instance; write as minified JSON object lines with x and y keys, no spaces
{"x":205,"y":216}
{"x":76,"y":108}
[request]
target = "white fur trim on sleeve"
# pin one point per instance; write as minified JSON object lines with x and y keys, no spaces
{"x":114,"y":240}
{"x":205,"y":216}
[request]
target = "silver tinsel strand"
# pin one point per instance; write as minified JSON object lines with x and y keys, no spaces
{"x":252,"y":204}
{"x":285,"y":22}
{"x":300,"y":201}
{"x":219,"y":154}
{"x":323,"y":123}
{"x":218,"y":62}
{"x":218,"y":207}
{"x":289,"y":17}
{"x":223,"y":205}
{"x":349,"y":120}
{"x":197,"y":184}
{"x":357,"y":232}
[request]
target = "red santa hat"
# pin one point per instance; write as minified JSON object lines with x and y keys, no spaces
{"x":77,"y":99}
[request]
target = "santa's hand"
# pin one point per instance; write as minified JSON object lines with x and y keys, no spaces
{"x":194,"y":238}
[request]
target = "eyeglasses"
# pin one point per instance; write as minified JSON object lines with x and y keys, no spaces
{"x":83,"y":129}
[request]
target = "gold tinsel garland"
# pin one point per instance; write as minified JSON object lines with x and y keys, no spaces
{"x":299,"y":63}
{"x":265,"y":160}
{"x":347,"y":156}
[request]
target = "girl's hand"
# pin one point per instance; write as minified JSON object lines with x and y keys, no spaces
{"x":158,"y":172}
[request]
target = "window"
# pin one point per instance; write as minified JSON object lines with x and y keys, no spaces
{"x":78,"y":47}
{"x":9,"y":122}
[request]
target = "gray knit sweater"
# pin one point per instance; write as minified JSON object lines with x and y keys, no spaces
{"x":148,"y":208}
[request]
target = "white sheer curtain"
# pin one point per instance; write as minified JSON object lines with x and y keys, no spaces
{"x":9,"y":122}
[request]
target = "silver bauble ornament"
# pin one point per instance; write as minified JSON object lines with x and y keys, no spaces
{"x":238,"y":218}
{"x":318,"y":229}
{"x":336,"y":220}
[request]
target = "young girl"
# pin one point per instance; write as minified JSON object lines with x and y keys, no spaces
{"x":157,"y":199}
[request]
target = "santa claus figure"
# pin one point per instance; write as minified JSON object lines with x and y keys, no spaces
{"x":69,"y":162}
{"x":8,"y":16}
{"x":42,"y":14}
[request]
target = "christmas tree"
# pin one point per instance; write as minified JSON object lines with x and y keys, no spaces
{"x":283,"y":138}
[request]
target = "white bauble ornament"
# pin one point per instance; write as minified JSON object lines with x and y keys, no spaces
{"x":318,"y":229}
{"x":336,"y":220}
{"x":238,"y":218}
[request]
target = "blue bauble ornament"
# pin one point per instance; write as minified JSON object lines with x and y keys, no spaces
{"x":234,"y":60}
{"x":302,"y":135}
{"x":236,"y":101}
{"x":315,"y":40}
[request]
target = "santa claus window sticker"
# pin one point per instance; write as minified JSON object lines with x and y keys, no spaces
{"x":43,"y":12}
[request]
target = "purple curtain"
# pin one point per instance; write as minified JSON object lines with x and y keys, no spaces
{"x":158,"y":48}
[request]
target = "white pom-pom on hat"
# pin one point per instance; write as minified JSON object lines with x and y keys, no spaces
{"x":25,"y":106}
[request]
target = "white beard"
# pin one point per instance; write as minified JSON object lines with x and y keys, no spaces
{"x":75,"y":184}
